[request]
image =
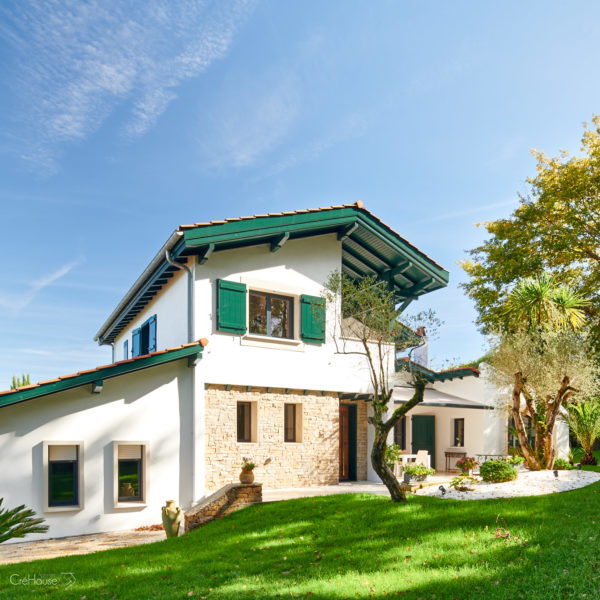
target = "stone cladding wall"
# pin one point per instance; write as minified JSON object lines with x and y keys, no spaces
{"x":312,"y":461}
{"x":222,"y":503}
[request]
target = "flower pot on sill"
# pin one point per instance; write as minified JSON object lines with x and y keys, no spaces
{"x":247,"y":476}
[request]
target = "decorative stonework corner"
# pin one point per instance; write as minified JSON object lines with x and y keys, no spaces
{"x":228,"y":499}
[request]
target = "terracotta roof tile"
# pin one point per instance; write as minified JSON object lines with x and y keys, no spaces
{"x":202,"y":342}
{"x":358,"y":204}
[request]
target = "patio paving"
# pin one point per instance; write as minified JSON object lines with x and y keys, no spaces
{"x":344,"y":487}
{"x":83,"y":544}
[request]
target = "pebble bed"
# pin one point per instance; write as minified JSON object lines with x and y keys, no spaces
{"x":528,"y":483}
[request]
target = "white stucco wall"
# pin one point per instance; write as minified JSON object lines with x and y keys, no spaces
{"x":153,"y":405}
{"x":170,"y":308}
{"x":299,"y":267}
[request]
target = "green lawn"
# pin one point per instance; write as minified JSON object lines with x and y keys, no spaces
{"x":356,"y":546}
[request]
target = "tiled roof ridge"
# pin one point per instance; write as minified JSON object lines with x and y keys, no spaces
{"x":452,"y":370}
{"x":202,"y":342}
{"x":358,"y":204}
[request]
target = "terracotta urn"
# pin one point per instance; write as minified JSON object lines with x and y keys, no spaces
{"x":247,"y":476}
{"x":171,"y":518}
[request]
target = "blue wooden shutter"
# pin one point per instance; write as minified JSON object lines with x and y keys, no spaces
{"x":125,"y":349}
{"x":231,"y":306}
{"x":312,"y":319}
{"x":135,"y":342}
{"x":152,"y":334}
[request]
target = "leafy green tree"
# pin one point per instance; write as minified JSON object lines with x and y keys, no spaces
{"x":584,"y":421}
{"x":544,"y":354}
{"x":20,"y":381}
{"x":540,"y":302}
{"x":367,"y":323}
{"x":556,"y":228}
{"x":18,"y":522}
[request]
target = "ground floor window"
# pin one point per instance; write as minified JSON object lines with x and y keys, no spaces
{"x":130,"y":473}
{"x":292,"y":422}
{"x":246,"y":422}
{"x":62,"y":488}
{"x":400,"y":433}
{"x":459,"y":432}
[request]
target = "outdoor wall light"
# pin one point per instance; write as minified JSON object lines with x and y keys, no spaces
{"x":97,"y":386}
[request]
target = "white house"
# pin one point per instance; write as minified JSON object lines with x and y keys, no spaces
{"x":221,"y":351}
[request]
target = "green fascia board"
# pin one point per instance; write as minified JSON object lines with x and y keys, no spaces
{"x":261,"y":229}
{"x":433,"y":376}
{"x":114,"y":370}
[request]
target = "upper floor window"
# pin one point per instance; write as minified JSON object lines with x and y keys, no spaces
{"x":271,"y":315}
{"x":143,"y":339}
{"x":260,"y":312}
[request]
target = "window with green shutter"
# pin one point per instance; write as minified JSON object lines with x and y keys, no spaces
{"x":312,"y":316}
{"x":231,"y":306}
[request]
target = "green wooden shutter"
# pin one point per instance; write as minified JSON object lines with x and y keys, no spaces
{"x":152,"y":334}
{"x":312,"y":319}
{"x":135,"y":342}
{"x":231,"y":306}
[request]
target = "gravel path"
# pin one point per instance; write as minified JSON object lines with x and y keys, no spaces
{"x":528,"y":483}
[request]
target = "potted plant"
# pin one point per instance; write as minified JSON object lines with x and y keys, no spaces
{"x":467,"y":464}
{"x":417,"y":473}
{"x":247,"y":474}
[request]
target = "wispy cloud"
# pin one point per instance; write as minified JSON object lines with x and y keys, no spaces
{"x":15,"y":302}
{"x":476,"y":210}
{"x":349,"y":127}
{"x":241,"y":131}
{"x":80,"y":61}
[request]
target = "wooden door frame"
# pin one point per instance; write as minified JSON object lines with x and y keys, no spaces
{"x":352,"y":441}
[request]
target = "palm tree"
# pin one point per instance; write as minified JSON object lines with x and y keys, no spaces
{"x":584,"y":420}
{"x":541,"y":302}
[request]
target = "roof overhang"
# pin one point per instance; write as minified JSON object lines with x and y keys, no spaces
{"x":404,"y":364}
{"x":369,"y":248}
{"x":193,"y":352}
{"x":433,"y":397}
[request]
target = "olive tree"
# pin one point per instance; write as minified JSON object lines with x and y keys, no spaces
{"x":368,"y":324}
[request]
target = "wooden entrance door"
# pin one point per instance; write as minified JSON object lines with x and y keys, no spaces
{"x":347,"y":442}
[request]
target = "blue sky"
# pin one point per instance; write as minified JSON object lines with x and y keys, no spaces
{"x":119,"y":121}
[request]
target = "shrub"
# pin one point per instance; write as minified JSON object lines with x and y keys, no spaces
{"x":497,"y":471}
{"x":462,"y":483}
{"x":18,"y":522}
{"x":392,"y":455}
{"x":515,"y":459}
{"x":418,"y":472}
{"x":560,"y":464}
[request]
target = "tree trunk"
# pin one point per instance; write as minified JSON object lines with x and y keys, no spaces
{"x":382,"y":430}
{"x":381,"y":467}
{"x":532,"y":461}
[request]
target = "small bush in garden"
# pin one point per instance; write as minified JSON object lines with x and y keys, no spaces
{"x":497,"y":471}
{"x":418,"y":472}
{"x":560,"y":464}
{"x":516,"y":460}
{"x":392,"y":455}
{"x":463,"y":483}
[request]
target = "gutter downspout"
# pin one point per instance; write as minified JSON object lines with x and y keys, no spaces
{"x":190,"y":327}
{"x":112,"y":349}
